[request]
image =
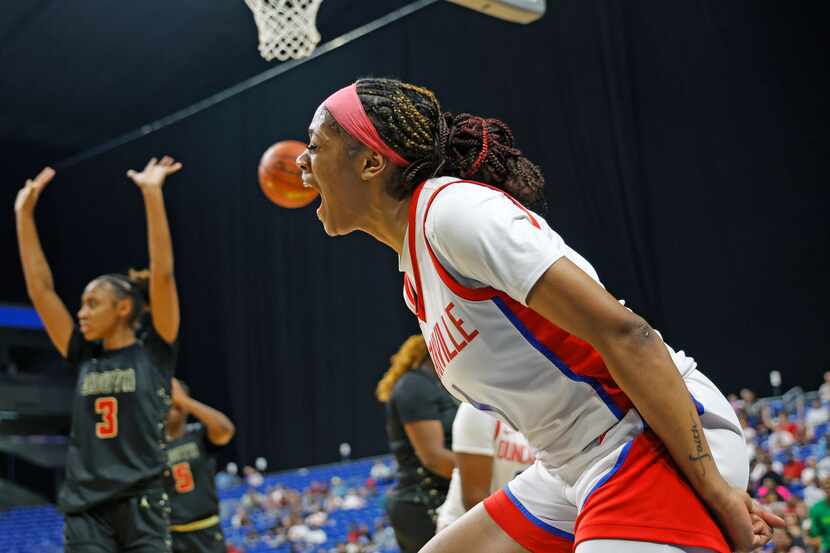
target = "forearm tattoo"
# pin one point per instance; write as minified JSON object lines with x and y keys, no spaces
{"x":700,"y":451}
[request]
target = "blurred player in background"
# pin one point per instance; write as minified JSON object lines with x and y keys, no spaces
{"x":113,"y":497}
{"x":488,"y":455}
{"x":191,"y":482}
{"x":419,"y":418}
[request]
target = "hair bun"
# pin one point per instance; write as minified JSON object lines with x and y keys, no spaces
{"x":140,"y":278}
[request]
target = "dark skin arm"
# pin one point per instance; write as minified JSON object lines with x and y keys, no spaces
{"x":640,"y":364}
{"x":164,"y":297}
{"x":427,"y":439}
{"x":476,"y":473}
{"x":219,"y":427}
{"x":36,"y":271}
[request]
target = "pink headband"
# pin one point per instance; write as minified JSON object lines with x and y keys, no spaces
{"x":344,"y":105}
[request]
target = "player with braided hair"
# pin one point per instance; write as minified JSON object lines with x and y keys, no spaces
{"x":519,"y":325}
{"x":113,"y":496}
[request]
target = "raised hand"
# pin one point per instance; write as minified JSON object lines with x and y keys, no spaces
{"x":155,"y":172}
{"x":28,"y":195}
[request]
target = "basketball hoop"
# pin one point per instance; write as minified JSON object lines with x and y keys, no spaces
{"x":286,"y":28}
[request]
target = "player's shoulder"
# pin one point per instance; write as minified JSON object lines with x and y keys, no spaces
{"x":450,"y":192}
{"x":459,"y":209}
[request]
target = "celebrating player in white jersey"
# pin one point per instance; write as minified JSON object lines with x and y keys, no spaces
{"x":518,"y":324}
{"x":488,"y":455}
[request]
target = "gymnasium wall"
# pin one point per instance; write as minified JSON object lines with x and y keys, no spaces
{"x":683,"y":145}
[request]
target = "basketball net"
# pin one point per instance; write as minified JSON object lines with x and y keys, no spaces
{"x":286,"y":28}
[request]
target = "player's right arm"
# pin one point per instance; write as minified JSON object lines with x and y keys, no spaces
{"x":39,"y":283}
{"x":218,"y":426}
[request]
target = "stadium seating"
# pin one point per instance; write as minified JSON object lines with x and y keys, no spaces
{"x":40,"y":529}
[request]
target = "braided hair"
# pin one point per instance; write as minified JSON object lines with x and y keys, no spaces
{"x":410,"y":120}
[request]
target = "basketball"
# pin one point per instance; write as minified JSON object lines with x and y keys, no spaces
{"x":279,"y":176}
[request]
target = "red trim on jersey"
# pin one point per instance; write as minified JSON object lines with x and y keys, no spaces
{"x":647,"y":499}
{"x":580,"y":356}
{"x":473,"y":294}
{"x":516,"y":525}
{"x":410,"y":295}
{"x":420,"y":311}
{"x":498,"y":427}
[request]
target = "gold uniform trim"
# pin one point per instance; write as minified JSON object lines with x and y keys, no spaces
{"x":195,"y":525}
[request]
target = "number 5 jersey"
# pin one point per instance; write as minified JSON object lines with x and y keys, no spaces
{"x":191,"y":483}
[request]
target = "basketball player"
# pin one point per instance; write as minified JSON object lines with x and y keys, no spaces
{"x":488,"y":454}
{"x":191,"y":482}
{"x":518,"y":324}
{"x":113,"y":497}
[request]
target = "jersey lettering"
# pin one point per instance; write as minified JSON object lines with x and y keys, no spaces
{"x":442,"y":335}
{"x":107,"y":407}
{"x":183,"y":477}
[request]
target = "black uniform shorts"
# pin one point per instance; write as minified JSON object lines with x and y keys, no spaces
{"x":207,"y":540}
{"x":135,"y":524}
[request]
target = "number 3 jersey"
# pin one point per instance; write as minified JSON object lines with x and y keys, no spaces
{"x":116,"y":445}
{"x":190,"y":481}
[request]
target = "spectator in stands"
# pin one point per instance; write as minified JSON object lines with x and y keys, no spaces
{"x":381,"y":472}
{"x":383,"y":536}
{"x":820,"y":517}
{"x":824,"y":389}
{"x":253,"y":477}
{"x":749,"y":405}
{"x":792,"y":468}
{"x":419,"y":417}
{"x":816,"y":414}
{"x":782,"y":437}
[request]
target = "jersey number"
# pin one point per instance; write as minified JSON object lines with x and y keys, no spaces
{"x":183,"y":477}
{"x":107,"y":407}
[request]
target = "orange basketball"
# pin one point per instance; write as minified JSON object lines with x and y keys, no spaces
{"x":279,"y":176}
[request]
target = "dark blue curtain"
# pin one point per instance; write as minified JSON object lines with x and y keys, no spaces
{"x":685,"y":154}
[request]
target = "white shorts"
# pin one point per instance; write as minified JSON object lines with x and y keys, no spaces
{"x":631,"y":491}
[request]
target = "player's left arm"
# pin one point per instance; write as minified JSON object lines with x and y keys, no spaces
{"x":219,"y":427}
{"x":640,"y":364}
{"x":164,"y":297}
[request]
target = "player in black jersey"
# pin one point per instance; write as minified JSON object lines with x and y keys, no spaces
{"x":113,"y":497}
{"x":191,"y":484}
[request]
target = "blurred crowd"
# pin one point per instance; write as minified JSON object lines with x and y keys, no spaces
{"x":790,"y":469}
{"x":277,"y":516}
{"x":789,"y":473}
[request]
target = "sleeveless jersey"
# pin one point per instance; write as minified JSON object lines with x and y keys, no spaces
{"x":191,"y":477}
{"x":116,"y":444}
{"x":491,"y":350}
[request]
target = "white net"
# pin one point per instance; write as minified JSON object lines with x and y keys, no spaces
{"x":286,"y":28}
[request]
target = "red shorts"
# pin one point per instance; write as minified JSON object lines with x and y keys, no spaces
{"x":634,"y":493}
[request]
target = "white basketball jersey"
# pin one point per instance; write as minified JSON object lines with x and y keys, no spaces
{"x":491,"y":350}
{"x":477,"y":433}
